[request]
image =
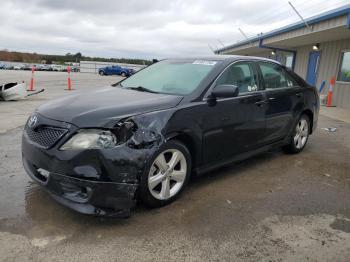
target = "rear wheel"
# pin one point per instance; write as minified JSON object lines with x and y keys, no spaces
{"x":166,"y":176}
{"x":300,"y":136}
{"x":101,"y":73}
{"x":123,"y":74}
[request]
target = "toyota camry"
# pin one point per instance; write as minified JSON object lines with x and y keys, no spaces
{"x":142,"y":138}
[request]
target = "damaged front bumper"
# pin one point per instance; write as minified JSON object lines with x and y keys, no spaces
{"x":87,"y":197}
{"x":95,"y":182}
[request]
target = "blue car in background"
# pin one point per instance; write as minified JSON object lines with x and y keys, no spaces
{"x":115,"y":70}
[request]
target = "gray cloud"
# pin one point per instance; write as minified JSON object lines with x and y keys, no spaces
{"x":140,"y":28}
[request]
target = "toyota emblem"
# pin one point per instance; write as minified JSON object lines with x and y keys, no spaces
{"x":32,"y":121}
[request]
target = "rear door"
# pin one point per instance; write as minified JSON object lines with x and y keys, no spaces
{"x":237,"y":124}
{"x":284,"y":100}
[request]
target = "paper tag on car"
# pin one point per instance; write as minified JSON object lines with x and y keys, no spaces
{"x":204,"y":62}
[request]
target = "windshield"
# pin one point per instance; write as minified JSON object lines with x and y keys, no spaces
{"x":178,"y":77}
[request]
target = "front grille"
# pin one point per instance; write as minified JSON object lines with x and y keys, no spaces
{"x":45,"y":136}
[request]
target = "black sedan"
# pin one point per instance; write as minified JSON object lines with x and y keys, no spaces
{"x":141,"y":139}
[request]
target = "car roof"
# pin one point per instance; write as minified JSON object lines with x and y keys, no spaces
{"x":226,"y":58}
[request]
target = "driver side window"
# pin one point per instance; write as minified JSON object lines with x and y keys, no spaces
{"x":242,"y":75}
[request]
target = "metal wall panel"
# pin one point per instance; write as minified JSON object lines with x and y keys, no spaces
{"x":328,"y":67}
{"x":302,"y":60}
{"x":318,"y":27}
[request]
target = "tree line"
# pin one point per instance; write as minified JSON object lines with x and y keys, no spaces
{"x":14,"y":56}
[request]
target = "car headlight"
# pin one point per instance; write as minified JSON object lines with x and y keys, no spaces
{"x":91,"y":139}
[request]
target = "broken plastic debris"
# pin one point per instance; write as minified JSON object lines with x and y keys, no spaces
{"x":329,"y":129}
{"x":14,"y":91}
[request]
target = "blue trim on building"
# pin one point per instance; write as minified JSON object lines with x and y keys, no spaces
{"x":344,"y":10}
{"x":261,"y":45}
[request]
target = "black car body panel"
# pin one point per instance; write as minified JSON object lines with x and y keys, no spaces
{"x":105,"y":182}
{"x":98,"y":108}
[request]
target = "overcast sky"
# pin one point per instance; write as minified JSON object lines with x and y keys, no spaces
{"x":142,"y":28}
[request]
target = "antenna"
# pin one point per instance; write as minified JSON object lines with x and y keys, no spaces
{"x":302,"y":19}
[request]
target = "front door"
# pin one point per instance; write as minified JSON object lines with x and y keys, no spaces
{"x":234,"y":125}
{"x":314,"y":60}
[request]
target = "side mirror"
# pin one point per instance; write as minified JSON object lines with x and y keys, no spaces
{"x":225,"y":91}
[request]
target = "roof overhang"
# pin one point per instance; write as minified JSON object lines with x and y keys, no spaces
{"x":329,"y":27}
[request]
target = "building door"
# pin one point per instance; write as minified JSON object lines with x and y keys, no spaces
{"x":314,"y":60}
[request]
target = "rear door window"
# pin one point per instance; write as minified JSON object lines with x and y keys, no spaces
{"x":275,"y":76}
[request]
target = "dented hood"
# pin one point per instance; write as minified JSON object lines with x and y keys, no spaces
{"x":98,"y":108}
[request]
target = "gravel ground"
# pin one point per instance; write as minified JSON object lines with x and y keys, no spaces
{"x":273,"y":207}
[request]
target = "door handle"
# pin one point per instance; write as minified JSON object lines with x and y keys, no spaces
{"x":224,"y":119}
{"x":271,"y":98}
{"x":260,"y":103}
{"x":300,"y":94}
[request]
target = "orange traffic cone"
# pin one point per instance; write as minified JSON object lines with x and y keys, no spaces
{"x":330,"y":92}
{"x":31,"y":86}
{"x":69,"y":80}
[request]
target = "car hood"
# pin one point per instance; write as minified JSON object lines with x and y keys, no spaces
{"x":99,"y":108}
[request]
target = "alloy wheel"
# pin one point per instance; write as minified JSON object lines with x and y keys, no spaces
{"x":167,"y":174}
{"x":301,"y":133}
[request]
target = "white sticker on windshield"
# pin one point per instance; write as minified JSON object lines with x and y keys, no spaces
{"x":204,"y":62}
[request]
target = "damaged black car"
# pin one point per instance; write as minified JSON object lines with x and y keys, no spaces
{"x":142,"y":138}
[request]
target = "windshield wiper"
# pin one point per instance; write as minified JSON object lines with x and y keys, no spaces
{"x":143,"y":89}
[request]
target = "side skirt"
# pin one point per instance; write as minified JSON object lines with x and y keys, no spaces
{"x":237,"y":158}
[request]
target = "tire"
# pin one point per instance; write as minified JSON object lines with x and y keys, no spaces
{"x":123,"y":74}
{"x":162,"y":182}
{"x":101,"y":73}
{"x":299,"y":136}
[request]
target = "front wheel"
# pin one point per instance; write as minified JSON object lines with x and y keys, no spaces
{"x":123,"y":74}
{"x":101,"y":73}
{"x":300,"y":136}
{"x":166,"y":175}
